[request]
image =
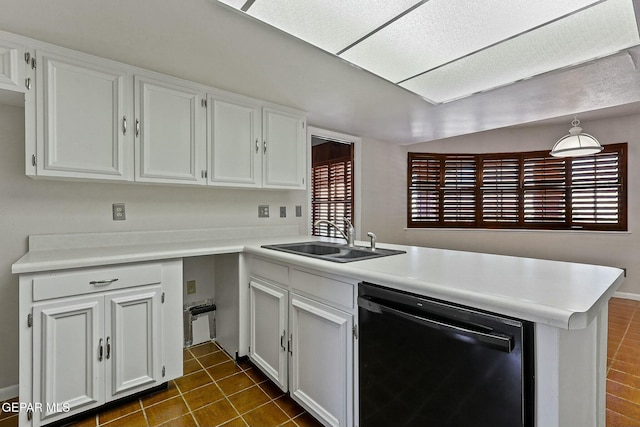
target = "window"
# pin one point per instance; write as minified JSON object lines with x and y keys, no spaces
{"x":331,"y":185}
{"x":519,"y":190}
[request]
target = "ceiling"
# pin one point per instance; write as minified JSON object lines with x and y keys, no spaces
{"x":216,"y":44}
{"x":444,"y":50}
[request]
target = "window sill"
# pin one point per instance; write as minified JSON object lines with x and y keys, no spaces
{"x":524,"y":231}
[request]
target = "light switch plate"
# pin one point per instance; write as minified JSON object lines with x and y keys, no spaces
{"x":118,"y":212}
{"x":263,"y":211}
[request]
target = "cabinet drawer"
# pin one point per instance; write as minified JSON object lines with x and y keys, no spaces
{"x":77,"y":282}
{"x":271,"y":271}
{"x":328,"y":289}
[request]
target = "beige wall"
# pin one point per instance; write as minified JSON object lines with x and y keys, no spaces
{"x":30,"y":206}
{"x":383,"y":192}
{"x":384,"y":200}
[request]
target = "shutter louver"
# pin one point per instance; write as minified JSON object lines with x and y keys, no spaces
{"x":544,"y":195}
{"x":332,"y":194}
{"x":424,"y":189}
{"x":519,"y":190}
{"x":459,"y":190}
{"x":500,"y":190}
{"x":596,"y":189}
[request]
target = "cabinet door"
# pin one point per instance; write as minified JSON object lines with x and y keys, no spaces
{"x":170,"y":132}
{"x":12,"y":66}
{"x":284,"y":162}
{"x":268,"y":330}
{"x":132,"y":340}
{"x":67,"y":360}
{"x":321,"y":369}
{"x":82,"y":119}
{"x":235,"y":151}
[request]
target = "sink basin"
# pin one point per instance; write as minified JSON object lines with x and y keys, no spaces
{"x":333,"y":251}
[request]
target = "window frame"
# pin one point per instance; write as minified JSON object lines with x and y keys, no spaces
{"x":532,"y":190}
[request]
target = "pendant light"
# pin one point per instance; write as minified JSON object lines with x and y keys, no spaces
{"x":576,"y":143}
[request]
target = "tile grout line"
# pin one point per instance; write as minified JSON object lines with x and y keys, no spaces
{"x":624,"y":334}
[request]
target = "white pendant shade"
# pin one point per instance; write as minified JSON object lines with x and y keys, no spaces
{"x":576,"y":143}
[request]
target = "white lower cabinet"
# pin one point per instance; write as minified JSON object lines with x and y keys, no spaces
{"x":304,"y":345}
{"x":268,"y":336}
{"x":321,"y":369}
{"x":96,"y":335}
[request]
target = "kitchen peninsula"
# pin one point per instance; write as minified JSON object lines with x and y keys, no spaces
{"x":566,"y":301}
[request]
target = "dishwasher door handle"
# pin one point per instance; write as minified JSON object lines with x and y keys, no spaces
{"x":503,"y":343}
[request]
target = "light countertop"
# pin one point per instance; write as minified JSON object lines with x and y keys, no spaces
{"x":560,"y":294}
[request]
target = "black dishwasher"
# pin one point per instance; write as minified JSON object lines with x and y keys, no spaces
{"x":424,"y":362}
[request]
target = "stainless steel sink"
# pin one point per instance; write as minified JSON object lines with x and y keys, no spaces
{"x":333,"y":251}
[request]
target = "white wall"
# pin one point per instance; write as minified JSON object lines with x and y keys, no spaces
{"x":30,"y":206}
{"x":385,"y":207}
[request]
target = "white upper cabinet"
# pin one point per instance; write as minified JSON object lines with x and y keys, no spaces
{"x":169,"y":131}
{"x":234,"y":142}
{"x":92,"y":118}
{"x":83,"y":118}
{"x":251,"y":145}
{"x":12,"y":66}
{"x":284,"y":147}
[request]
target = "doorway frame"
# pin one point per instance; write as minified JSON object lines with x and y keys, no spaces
{"x":317,"y":132}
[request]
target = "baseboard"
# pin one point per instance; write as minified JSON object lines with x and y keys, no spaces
{"x":7,"y":393}
{"x":627,"y":295}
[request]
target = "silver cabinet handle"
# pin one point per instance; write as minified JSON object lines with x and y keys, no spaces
{"x":124,"y":125}
{"x":257,"y":145}
{"x":137,"y":128}
{"x":284,"y":333}
{"x":100,"y":350}
{"x":291,"y":344}
{"x":265,"y":147}
{"x":27,"y":83}
{"x":108,"y":347}
{"x":102,"y":282}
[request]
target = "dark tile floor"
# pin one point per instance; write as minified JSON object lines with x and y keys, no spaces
{"x":215,"y":391}
{"x":623,"y":364}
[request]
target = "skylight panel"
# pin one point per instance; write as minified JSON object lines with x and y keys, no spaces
{"x":592,"y":33}
{"x":331,"y":25}
{"x":440,"y":31}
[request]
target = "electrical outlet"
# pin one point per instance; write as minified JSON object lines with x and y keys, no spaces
{"x":283,"y":211}
{"x":191,"y":287}
{"x":118,"y":212}
{"x":263,"y":211}
{"x":298,"y":211}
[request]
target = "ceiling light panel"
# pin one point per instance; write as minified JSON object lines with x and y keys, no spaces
{"x":595,"y":32}
{"x":234,"y":3}
{"x":331,"y":25}
{"x":441,"y":31}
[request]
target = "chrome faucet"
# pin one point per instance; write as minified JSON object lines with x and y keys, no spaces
{"x":373,"y":238}
{"x":349,"y":236}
